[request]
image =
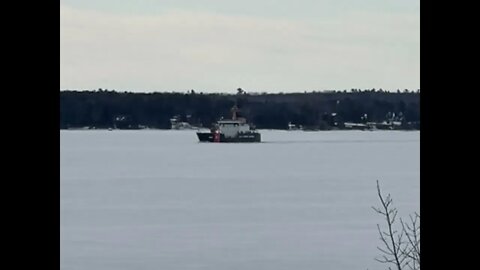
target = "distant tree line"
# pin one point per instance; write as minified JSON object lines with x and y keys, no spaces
{"x":315,"y":110}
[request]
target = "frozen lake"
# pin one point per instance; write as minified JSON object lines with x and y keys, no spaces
{"x":155,"y":199}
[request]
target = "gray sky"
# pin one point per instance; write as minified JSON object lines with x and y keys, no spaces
{"x":258,"y":45}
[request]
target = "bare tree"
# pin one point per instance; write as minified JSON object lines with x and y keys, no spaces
{"x":399,"y":248}
{"x":412,"y":249}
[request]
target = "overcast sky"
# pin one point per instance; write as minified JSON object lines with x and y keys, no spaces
{"x":221,"y":45}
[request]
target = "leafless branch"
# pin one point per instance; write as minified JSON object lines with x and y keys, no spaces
{"x":393,"y":251}
{"x":398,"y":248}
{"x":412,"y":250}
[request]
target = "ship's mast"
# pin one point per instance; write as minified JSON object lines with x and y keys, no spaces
{"x":234,"y":112}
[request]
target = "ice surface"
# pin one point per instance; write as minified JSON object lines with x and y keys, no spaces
{"x":152,"y":199}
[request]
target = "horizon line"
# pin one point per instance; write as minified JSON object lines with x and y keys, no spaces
{"x":381,"y":90}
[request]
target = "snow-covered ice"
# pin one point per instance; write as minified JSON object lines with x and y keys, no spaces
{"x":153,"y":199}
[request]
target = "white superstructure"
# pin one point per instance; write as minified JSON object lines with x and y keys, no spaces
{"x":231,"y":128}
